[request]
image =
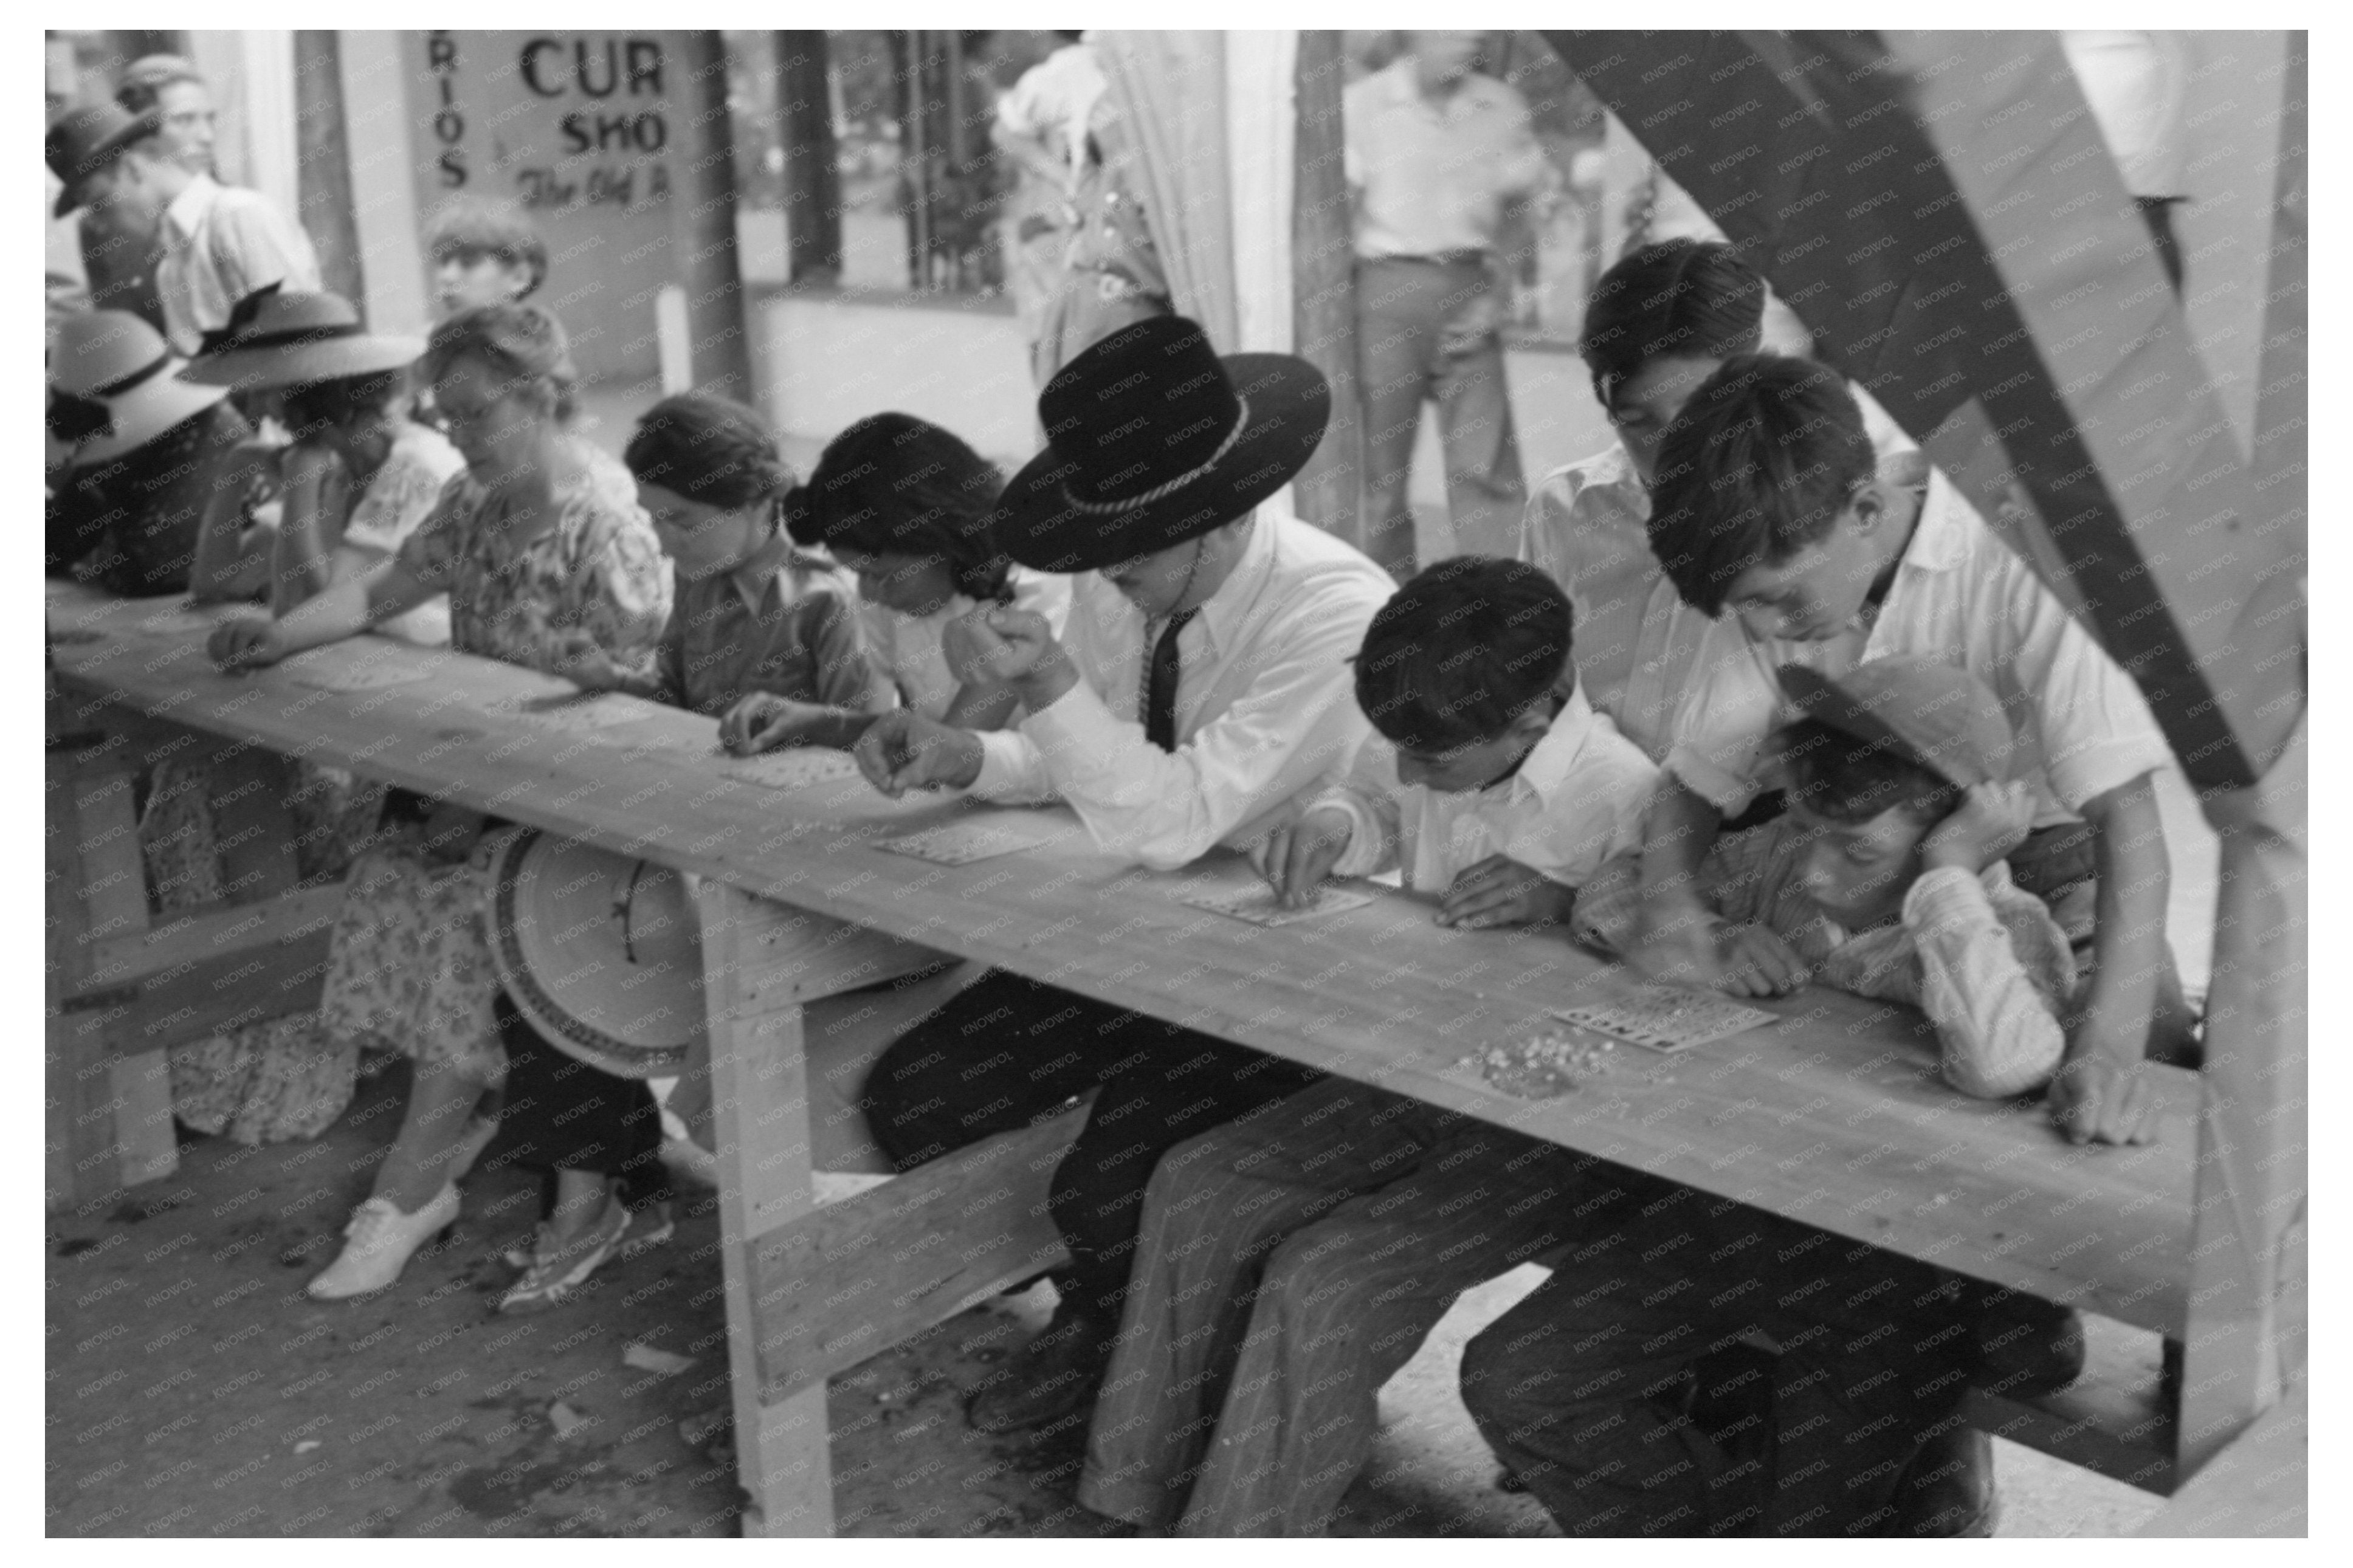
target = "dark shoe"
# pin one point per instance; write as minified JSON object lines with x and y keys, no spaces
{"x":1947,"y":1489}
{"x":2028,"y":1346}
{"x":1055,"y":1376}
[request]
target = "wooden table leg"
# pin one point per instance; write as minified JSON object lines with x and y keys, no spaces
{"x":107,"y":1118}
{"x":759,"y":1089}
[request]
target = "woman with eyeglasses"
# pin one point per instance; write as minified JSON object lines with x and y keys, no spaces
{"x":548,"y":562}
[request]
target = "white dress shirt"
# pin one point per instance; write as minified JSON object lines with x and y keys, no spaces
{"x":1963,"y":597}
{"x":1575,"y":800}
{"x":907,"y":648}
{"x":220,"y":244}
{"x":1635,"y":641}
{"x":1433,"y":179}
{"x":1265,"y":701}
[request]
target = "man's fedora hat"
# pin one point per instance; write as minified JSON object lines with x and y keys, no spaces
{"x":1153,"y":439}
{"x":275,"y":339}
{"x":111,"y":387}
{"x":86,"y":139}
{"x":603,"y":954}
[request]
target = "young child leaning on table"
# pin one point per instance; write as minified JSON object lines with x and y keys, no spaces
{"x":1885,"y":878}
{"x":1291,"y":1260}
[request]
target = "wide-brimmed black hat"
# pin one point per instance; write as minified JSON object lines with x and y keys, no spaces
{"x":86,"y":139}
{"x":276,"y":339}
{"x":1153,"y":439}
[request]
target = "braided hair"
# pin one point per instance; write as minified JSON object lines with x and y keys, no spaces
{"x":893,"y":484}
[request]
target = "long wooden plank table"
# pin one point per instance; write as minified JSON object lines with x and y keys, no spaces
{"x":1834,"y":1117}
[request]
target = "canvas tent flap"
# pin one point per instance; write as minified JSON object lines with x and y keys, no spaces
{"x":1941,"y":212}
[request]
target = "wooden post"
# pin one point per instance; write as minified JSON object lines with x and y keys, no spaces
{"x":759,"y":1088}
{"x":2243,"y":1347}
{"x":714,"y":281}
{"x":1323,"y":295}
{"x":324,"y":165}
{"x":812,"y":176}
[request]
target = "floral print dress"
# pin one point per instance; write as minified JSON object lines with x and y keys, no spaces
{"x":408,"y":968}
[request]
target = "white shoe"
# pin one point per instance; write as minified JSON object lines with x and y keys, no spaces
{"x":379,"y":1240}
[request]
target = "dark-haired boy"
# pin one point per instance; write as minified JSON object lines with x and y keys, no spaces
{"x":1886,"y":875}
{"x":1289,"y":1262}
{"x":1769,"y":515}
{"x":1661,"y":322}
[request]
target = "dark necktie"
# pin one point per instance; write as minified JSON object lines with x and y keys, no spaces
{"x":1160,"y":685}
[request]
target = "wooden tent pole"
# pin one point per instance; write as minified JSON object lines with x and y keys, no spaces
{"x":720,"y":341}
{"x":324,"y":165}
{"x":1323,"y":293}
{"x":812,"y":181}
{"x":2245,"y":1335}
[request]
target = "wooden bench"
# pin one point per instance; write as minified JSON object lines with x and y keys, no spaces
{"x":120,"y":989}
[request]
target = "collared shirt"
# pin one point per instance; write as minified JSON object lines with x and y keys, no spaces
{"x":596,"y":578}
{"x":907,"y":648}
{"x":1985,"y":960}
{"x":1588,"y":527}
{"x":220,"y":244}
{"x":2136,"y":85}
{"x":1576,"y":799}
{"x":1265,"y":701}
{"x":1433,"y":179}
{"x":795,"y":637}
{"x":143,"y":509}
{"x":1963,"y":597}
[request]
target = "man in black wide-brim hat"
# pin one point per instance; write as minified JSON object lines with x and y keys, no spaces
{"x":1201,"y":682}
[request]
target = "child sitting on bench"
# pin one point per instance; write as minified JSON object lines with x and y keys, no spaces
{"x":1886,"y":876}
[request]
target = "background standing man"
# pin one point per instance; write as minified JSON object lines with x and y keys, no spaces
{"x":1439,"y":157}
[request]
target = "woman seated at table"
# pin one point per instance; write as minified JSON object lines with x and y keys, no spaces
{"x":548,"y":563}
{"x":146,"y":453}
{"x":905,"y":504}
{"x":359,"y":477}
{"x":764,"y":637}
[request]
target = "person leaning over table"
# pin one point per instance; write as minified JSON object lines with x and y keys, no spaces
{"x":548,"y":563}
{"x":1202,"y":683}
{"x":359,"y":477}
{"x":1290,"y":1261}
{"x":1887,"y":877}
{"x":905,"y":505}
{"x":762,"y":636}
{"x":148,"y":453}
{"x":1660,"y":321}
{"x":1769,"y":515}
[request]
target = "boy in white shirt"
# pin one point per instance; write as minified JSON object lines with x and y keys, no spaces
{"x":1769,"y":516}
{"x":1290,"y":1261}
{"x":1886,"y":875}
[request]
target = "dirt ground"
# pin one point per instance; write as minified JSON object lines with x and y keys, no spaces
{"x":192,"y":1390}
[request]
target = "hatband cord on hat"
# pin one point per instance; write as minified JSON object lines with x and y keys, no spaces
{"x":1129,"y":503}
{"x":77,"y":416}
